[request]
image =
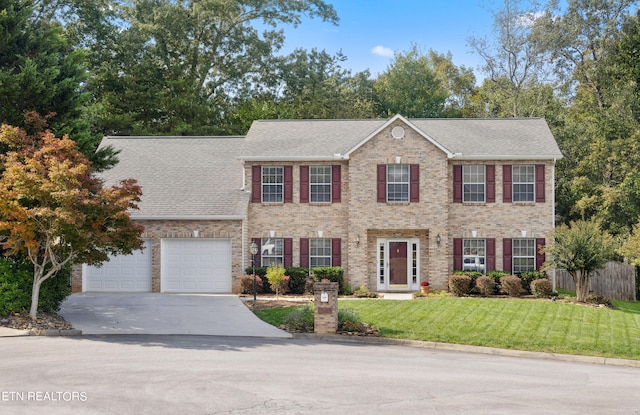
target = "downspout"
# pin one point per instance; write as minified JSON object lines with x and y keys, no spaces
{"x":553,"y":215}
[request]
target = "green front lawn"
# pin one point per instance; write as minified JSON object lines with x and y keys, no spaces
{"x":535,"y":325}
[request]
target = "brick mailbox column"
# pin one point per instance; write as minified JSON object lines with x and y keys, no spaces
{"x":325,"y":314}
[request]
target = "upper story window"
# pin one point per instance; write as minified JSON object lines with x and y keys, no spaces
{"x":398,"y":183}
{"x":320,"y":184}
{"x":473,"y":183}
{"x":523,"y":182}
{"x":272,"y":184}
{"x":524,"y":255}
{"x":319,"y":252}
{"x":272,"y":251}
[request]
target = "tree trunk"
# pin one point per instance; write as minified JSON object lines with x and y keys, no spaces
{"x":582,"y":286}
{"x":35,"y":295}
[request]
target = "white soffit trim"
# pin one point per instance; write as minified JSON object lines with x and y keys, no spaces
{"x":409,"y":124}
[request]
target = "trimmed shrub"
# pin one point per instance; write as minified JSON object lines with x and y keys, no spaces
{"x":486,"y":285}
{"x":496,"y":275}
{"x":262,"y":273}
{"x":474,"y":275}
{"x":363,"y":292}
{"x":528,"y":277}
{"x":541,"y":288}
{"x":16,"y":284}
{"x":246,"y":284}
{"x":511,"y":285}
{"x":301,"y":319}
{"x":459,"y":285}
{"x":297,"y":279}
{"x":333,"y":274}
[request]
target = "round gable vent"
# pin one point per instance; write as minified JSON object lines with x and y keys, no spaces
{"x":397,"y":132}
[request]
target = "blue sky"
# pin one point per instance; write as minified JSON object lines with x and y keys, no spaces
{"x":371,"y":30}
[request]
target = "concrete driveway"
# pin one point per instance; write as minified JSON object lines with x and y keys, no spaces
{"x":151,"y":313}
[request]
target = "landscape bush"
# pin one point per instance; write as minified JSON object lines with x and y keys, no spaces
{"x":459,"y":285}
{"x":486,"y":285}
{"x":363,"y":292}
{"x":528,"y":277}
{"x":511,"y":285}
{"x":541,"y":288}
{"x":496,"y":275}
{"x":297,"y":279}
{"x":301,"y":319}
{"x":277,"y":280}
{"x":348,"y":320}
{"x":246,"y":284}
{"x":16,"y":284}
{"x":333,"y":274}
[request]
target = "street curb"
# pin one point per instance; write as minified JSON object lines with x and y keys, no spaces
{"x":608,"y":361}
{"x":53,"y":333}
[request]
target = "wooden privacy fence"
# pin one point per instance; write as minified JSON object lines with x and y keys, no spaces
{"x":616,"y":281}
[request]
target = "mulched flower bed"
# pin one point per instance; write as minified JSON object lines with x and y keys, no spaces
{"x":45,"y":321}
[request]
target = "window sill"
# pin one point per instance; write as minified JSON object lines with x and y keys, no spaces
{"x":524,"y":203}
{"x":398,"y":203}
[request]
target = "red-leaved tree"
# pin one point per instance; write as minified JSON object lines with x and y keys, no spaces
{"x":54,"y":212}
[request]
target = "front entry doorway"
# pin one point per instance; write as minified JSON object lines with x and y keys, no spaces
{"x":398,"y":264}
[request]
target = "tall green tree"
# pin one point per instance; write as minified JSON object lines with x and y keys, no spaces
{"x":411,"y":87}
{"x":517,"y":82}
{"x":41,"y":72}
{"x":176,"y":65}
{"x":580,"y":248}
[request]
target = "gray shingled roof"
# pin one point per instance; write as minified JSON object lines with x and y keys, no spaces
{"x":503,"y":138}
{"x":201,"y":177}
{"x":180,"y":177}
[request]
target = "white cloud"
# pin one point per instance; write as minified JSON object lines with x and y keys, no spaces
{"x":382,"y":51}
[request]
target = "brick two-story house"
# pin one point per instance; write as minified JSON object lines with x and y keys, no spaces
{"x":394,"y":202}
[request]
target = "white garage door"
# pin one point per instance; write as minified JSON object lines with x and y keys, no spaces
{"x":196,"y":265}
{"x":125,"y":273}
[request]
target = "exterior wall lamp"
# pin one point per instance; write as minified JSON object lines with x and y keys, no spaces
{"x":357,"y":240}
{"x":438,"y":239}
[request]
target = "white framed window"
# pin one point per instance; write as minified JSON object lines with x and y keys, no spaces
{"x":523,"y":183}
{"x":319,"y":252}
{"x":524,"y":255}
{"x":320,"y":184}
{"x":473,"y":183}
{"x":474,"y":255}
{"x":272,"y":184}
{"x":397,"y":182}
{"x":271,"y":251}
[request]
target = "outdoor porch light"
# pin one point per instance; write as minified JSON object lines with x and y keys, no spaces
{"x":357,"y":240}
{"x":254,"y":250}
{"x":438,"y":239}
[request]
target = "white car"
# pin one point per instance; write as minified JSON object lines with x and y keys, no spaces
{"x":473,"y":263}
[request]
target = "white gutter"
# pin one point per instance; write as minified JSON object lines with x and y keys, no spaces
{"x":203,"y":217}
{"x":459,"y":156}
{"x":295,"y":158}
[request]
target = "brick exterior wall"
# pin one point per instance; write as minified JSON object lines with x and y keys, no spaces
{"x":360,"y":216}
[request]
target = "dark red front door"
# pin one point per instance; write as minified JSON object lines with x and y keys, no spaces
{"x":398,"y":263}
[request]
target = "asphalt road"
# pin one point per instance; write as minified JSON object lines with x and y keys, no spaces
{"x":150,"y":374}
